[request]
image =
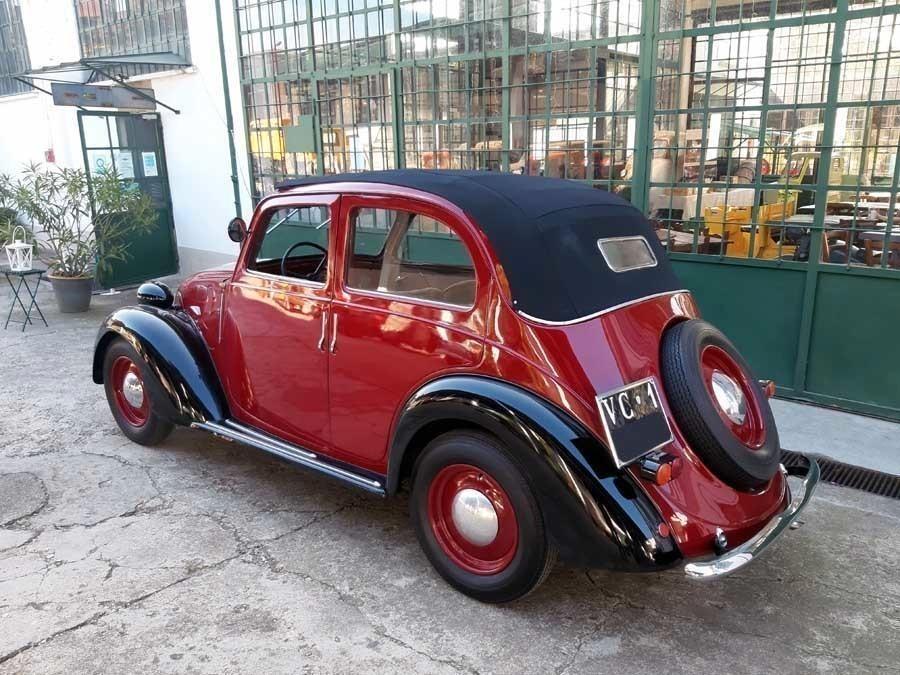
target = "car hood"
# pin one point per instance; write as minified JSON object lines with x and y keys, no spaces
{"x":213,"y":274}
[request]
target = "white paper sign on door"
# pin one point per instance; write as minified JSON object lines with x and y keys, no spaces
{"x":150,"y":167}
{"x":99,"y":161}
{"x":125,"y":163}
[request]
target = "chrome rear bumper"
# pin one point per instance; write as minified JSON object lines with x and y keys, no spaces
{"x":753,"y":548}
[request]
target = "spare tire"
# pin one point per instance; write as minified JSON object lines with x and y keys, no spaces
{"x":719,"y":406}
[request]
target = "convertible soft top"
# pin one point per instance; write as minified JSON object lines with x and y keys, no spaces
{"x":544,"y":232}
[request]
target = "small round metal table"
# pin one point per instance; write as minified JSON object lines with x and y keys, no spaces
{"x":17,"y":289}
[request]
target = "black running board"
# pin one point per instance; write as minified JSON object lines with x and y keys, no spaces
{"x":235,"y":431}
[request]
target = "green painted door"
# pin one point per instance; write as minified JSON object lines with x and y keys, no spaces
{"x":132,"y":144}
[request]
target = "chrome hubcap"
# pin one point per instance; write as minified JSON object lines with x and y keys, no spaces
{"x":474,"y":517}
{"x":133,"y":390}
{"x":729,"y":397}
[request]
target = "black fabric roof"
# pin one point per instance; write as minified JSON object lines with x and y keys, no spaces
{"x":544,"y":232}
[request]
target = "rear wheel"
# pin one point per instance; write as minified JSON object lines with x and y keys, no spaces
{"x":477,"y":518}
{"x":718,"y":405}
{"x":129,"y":398}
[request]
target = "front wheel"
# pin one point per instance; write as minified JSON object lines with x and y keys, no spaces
{"x":477,"y":518}
{"x":129,"y":398}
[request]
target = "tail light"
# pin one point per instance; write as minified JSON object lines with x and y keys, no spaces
{"x":659,"y":467}
{"x":768,"y":387}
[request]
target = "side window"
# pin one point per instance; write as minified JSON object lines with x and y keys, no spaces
{"x":294,"y":243}
{"x":409,"y":254}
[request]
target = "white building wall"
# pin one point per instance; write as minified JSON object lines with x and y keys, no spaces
{"x":25,"y":126}
{"x":31,"y":124}
{"x":196,"y":141}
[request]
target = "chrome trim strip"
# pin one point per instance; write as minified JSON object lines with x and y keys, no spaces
{"x":235,"y":431}
{"x":265,"y":438}
{"x":321,"y":345}
{"x":587,"y":317}
{"x":295,"y":281}
{"x":753,"y":548}
{"x":635,"y":237}
{"x":332,"y":347}
{"x":409,"y":299}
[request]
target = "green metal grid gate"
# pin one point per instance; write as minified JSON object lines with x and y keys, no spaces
{"x":760,"y":136}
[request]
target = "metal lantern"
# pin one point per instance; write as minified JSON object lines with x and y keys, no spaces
{"x":19,"y":252}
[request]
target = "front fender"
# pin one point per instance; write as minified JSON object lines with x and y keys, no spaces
{"x":187,"y":385}
{"x":596,"y":515}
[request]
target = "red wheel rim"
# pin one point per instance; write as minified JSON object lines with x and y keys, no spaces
{"x":126,"y":377}
{"x":458,"y":533}
{"x":716,"y":362}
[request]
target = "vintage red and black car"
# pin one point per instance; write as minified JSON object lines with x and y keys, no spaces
{"x":516,"y":351}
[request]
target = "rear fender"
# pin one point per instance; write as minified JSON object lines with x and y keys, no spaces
{"x":184,"y":382}
{"x":596,"y":515}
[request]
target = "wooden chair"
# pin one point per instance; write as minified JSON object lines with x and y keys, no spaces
{"x":726,"y":222}
{"x":773,"y":215}
{"x":873,"y":255}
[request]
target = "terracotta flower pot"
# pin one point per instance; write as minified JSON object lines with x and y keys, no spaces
{"x":72,"y":294}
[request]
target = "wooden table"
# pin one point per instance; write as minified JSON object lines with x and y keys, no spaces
{"x":862,"y":210}
{"x":803,"y":222}
{"x":806,"y":220}
{"x":662,"y":198}
{"x":871,"y":238}
{"x":683,"y":242}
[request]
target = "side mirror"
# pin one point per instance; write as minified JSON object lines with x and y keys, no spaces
{"x":155,"y":294}
{"x":237,"y":230}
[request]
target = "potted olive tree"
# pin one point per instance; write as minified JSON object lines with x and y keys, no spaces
{"x":81,"y":228}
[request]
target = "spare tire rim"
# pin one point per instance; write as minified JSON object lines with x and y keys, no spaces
{"x":472,"y":519}
{"x":733,"y":396}
{"x":130,"y":394}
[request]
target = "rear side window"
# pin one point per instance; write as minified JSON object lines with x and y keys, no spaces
{"x":626,"y":253}
{"x":411,"y":255}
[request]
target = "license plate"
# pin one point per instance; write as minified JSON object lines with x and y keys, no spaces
{"x":634,"y":421}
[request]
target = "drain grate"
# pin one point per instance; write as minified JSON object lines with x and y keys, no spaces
{"x":847,"y":475}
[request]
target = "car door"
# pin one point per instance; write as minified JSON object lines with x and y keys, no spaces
{"x":409,"y":304}
{"x":273,"y":355}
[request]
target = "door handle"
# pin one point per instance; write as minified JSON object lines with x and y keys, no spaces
{"x":333,"y":346}
{"x":321,"y":346}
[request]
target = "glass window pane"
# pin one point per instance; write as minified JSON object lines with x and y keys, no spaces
{"x":294,"y":243}
{"x":411,"y":255}
{"x":96,"y":132}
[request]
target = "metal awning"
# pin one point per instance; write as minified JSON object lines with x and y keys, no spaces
{"x":96,"y":68}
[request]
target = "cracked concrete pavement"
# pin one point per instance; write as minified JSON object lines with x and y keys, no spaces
{"x":202,"y":556}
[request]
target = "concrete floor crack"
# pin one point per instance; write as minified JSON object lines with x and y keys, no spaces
{"x":115,"y":606}
{"x":96,"y":616}
{"x":45,"y":499}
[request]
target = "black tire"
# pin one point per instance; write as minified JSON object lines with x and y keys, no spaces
{"x":695,"y":413}
{"x":156,"y":428}
{"x":534,"y":554}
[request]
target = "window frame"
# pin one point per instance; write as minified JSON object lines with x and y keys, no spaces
{"x":13,"y":47}
{"x":416,"y":208}
{"x":257,"y":233}
{"x":603,"y":241}
{"x":127,"y":29}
